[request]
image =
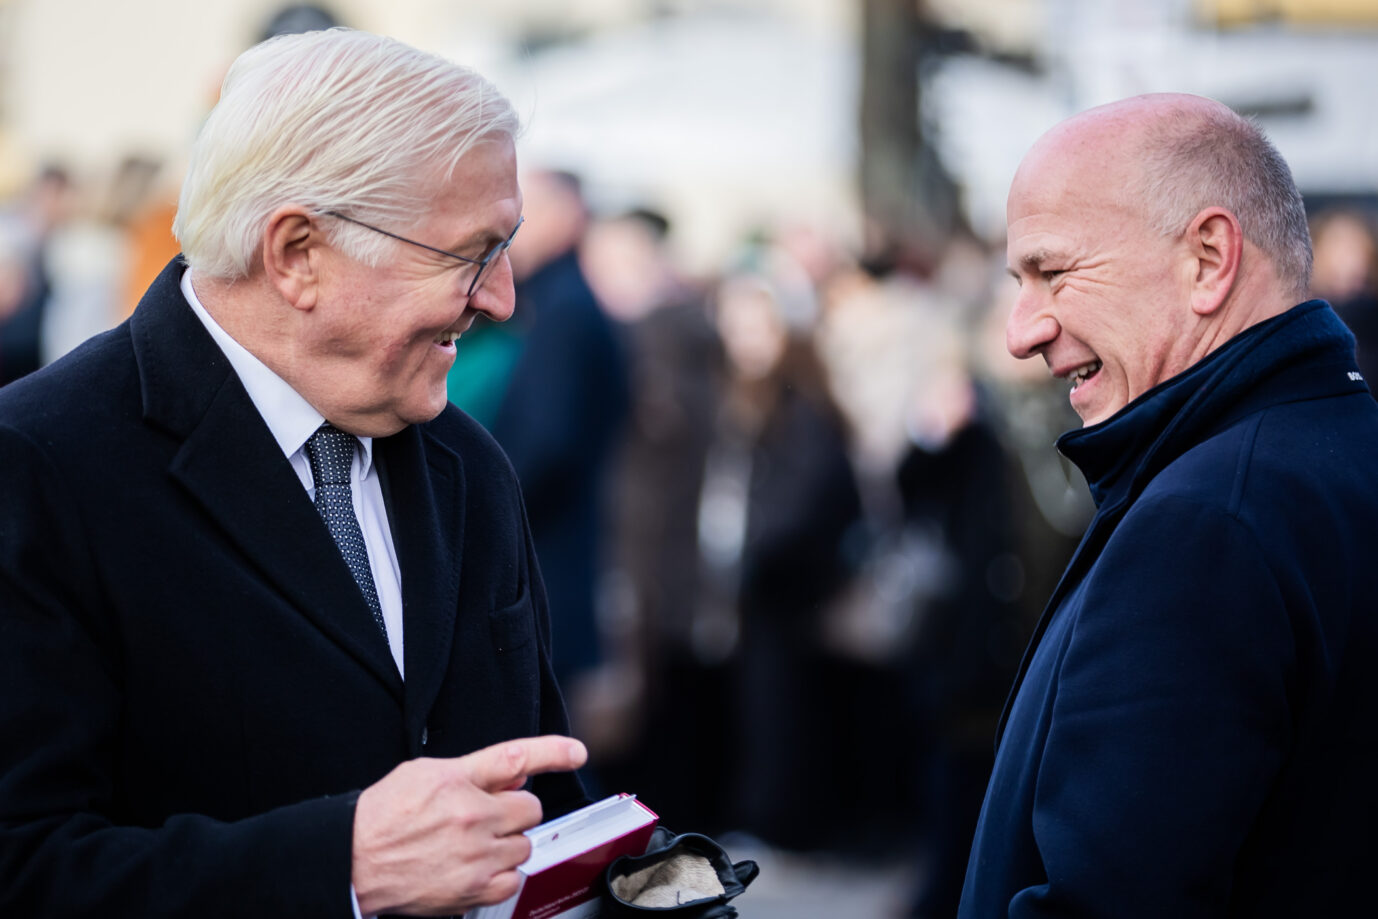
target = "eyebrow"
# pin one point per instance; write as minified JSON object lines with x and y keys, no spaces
{"x":482,"y":241}
{"x":1030,"y":261}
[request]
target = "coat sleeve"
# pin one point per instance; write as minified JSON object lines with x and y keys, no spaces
{"x":64,"y":850}
{"x":1171,"y":720}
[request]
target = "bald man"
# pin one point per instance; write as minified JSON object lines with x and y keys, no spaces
{"x":1194,"y":728}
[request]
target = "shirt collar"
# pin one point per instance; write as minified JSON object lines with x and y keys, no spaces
{"x":290,"y":418}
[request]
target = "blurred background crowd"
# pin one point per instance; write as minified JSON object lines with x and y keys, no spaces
{"x":796,"y":507}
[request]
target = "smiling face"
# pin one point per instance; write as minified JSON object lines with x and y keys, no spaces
{"x":1103,"y":297}
{"x":381,"y":340}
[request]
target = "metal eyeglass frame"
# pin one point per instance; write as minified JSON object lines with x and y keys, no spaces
{"x":482,"y":263}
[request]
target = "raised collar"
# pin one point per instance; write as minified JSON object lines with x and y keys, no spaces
{"x":1305,"y":352}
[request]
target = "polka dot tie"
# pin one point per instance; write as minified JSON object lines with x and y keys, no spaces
{"x":331,"y":451}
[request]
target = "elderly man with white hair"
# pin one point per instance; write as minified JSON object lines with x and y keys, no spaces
{"x":273,"y":640}
{"x":1194,"y":728}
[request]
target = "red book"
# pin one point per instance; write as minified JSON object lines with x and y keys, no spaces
{"x":560,"y":880}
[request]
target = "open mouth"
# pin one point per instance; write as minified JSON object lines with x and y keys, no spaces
{"x":447,"y":338}
{"x":1083,"y":373}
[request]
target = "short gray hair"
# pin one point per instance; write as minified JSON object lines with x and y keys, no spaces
{"x":334,"y":120}
{"x":1199,"y":158}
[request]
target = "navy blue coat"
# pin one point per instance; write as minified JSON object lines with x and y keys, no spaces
{"x":1194,"y":731}
{"x":192,"y":691}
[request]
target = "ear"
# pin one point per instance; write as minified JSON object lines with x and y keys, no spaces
{"x":1216,"y":244}
{"x":293,"y":244}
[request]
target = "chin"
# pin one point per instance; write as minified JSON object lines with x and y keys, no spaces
{"x":425,"y":410}
{"x":1090,"y":418}
{"x":1096,"y":417}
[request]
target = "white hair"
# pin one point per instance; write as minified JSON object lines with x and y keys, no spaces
{"x":335,"y":120}
{"x":1203,"y":158}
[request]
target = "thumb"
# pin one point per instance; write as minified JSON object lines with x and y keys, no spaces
{"x":507,"y":765}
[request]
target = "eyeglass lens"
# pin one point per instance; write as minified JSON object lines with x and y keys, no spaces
{"x":491,"y":258}
{"x":482,"y":269}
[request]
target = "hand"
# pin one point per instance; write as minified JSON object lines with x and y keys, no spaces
{"x":438,"y":836}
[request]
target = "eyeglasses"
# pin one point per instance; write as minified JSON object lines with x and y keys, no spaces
{"x":483,"y":264}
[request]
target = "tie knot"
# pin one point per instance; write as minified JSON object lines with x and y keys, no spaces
{"x":330,"y":452}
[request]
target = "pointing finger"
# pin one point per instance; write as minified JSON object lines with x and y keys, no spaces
{"x":507,"y":765}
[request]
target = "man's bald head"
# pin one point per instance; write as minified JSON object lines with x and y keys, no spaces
{"x":1169,"y":156}
{"x":1144,"y":235}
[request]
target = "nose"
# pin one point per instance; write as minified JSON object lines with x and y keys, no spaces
{"x":496,"y":298}
{"x":1031,"y":326}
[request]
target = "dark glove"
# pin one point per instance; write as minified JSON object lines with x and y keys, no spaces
{"x":688,"y":875}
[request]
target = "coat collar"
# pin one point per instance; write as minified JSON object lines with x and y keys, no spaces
{"x":230,"y":464}
{"x":1303,"y":353}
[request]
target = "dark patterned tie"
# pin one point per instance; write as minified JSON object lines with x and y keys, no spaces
{"x":331,"y":451}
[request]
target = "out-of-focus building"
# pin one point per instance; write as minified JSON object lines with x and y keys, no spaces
{"x":1301,"y":67}
{"x":1325,"y":13}
{"x":725,"y":113}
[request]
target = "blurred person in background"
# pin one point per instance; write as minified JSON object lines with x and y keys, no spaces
{"x":659,"y":727}
{"x":71,"y":243}
{"x":563,"y":401}
{"x":941,"y":604}
{"x":75,"y":237}
{"x":144,"y":203}
{"x":1346,"y":274}
{"x":962,"y":532}
{"x":275,"y":638}
{"x":19,"y":351}
{"x":880,"y":329}
{"x":89,"y":261}
{"x":26,"y":232}
{"x":779,"y":501}
{"x":1190,"y":733}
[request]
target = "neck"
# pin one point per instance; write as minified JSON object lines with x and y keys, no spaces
{"x":1256,"y":296}
{"x":255,"y":316}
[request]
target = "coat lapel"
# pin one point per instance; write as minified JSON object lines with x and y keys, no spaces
{"x":424,"y":483}
{"x":230,"y":464}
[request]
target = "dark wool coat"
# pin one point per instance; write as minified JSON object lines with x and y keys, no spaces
{"x":1194,"y":731}
{"x":192,"y":690}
